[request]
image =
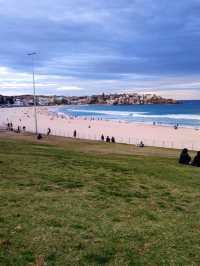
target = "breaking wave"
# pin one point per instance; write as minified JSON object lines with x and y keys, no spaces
{"x":137,"y":114}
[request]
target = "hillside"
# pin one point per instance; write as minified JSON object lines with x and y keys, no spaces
{"x":66,"y":202}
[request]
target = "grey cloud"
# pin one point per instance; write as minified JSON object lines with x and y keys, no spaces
{"x":101,"y":40}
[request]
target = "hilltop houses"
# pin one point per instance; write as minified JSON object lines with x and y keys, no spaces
{"x":107,"y":99}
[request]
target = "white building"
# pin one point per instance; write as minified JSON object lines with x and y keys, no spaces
{"x":18,"y":102}
{"x":43,"y":101}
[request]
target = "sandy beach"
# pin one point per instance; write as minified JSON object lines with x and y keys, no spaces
{"x":130,"y":133}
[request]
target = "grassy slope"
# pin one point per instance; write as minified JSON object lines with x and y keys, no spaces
{"x":69,"y":207}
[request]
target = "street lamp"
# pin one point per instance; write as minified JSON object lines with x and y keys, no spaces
{"x":34,"y":96}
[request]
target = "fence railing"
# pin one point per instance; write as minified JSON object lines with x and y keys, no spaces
{"x":126,"y":140}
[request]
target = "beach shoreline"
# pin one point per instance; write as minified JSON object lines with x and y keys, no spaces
{"x":124,"y":120}
{"x":122,"y":131}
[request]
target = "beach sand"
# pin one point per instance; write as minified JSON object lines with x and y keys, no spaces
{"x":130,"y":133}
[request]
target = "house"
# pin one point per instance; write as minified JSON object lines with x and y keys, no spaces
{"x":18,"y":102}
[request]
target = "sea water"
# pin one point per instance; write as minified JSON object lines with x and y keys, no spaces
{"x":186,"y":114}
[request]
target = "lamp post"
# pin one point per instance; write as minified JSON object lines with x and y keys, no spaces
{"x":34,"y":96}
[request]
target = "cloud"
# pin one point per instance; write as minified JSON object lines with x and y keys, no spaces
{"x":183,"y":94}
{"x":16,"y":83}
{"x":70,"y":88}
{"x":100,"y":45}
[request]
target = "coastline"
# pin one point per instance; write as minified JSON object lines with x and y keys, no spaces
{"x":124,"y":121}
{"x":124,"y":132}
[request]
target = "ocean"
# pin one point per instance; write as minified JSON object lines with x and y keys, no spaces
{"x":186,"y":114}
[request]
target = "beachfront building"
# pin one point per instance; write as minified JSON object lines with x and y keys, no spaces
{"x":43,"y":101}
{"x":18,"y":102}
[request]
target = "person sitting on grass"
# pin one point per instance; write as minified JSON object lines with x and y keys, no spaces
{"x":39,"y":136}
{"x":196,"y":161}
{"x":141,"y":145}
{"x":184,"y":157}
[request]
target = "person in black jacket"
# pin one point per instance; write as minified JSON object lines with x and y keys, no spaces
{"x":39,"y":136}
{"x":113,"y":140}
{"x":107,"y":139}
{"x":196,"y":161}
{"x":184,"y":157}
{"x":48,"y":131}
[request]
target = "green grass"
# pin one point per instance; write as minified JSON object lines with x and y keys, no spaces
{"x":81,"y":203}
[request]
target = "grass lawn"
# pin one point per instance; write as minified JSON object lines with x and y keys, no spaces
{"x":65,"y":202}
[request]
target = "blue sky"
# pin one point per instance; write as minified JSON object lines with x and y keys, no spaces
{"x":89,"y":47}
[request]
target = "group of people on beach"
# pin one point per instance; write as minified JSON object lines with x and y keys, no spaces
{"x":17,"y":130}
{"x":185,"y":158}
{"x":176,"y":126}
{"x":107,"y":139}
{"x":10,"y":126}
{"x":103,"y":138}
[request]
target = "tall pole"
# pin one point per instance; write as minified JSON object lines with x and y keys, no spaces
{"x":34,"y":95}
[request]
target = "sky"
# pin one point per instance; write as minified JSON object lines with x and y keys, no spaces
{"x":87,"y":47}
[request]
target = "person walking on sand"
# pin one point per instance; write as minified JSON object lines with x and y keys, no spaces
{"x":75,"y":133}
{"x":184,"y":157}
{"x":48,"y":131}
{"x":113,"y":140}
{"x":196,"y":161}
{"x":108,"y":139}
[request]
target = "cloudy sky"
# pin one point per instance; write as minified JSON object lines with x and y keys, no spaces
{"x":94,"y":46}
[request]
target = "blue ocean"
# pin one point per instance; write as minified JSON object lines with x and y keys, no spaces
{"x":186,"y":114}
